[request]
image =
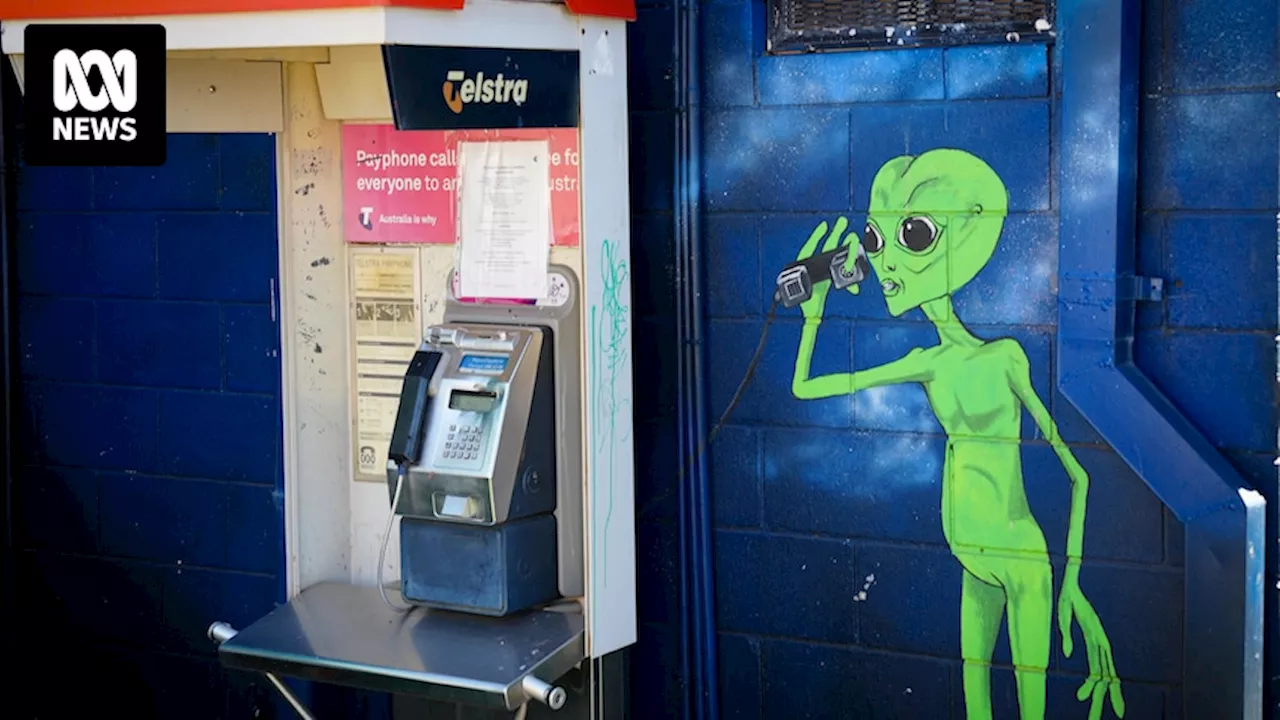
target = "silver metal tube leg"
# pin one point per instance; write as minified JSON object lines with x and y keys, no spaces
{"x":289,"y":697}
{"x":221,"y":632}
{"x":536,"y":689}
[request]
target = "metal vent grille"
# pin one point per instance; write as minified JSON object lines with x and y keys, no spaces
{"x":809,"y":25}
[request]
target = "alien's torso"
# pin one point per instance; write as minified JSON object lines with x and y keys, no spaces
{"x":970,"y":390}
{"x":984,"y":503}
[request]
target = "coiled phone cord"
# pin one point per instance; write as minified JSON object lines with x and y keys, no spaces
{"x":401,"y":471}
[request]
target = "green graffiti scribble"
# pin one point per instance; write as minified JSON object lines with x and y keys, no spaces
{"x":933,"y":223}
{"x":610,"y":423}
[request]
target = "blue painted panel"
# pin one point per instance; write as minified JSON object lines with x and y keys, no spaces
{"x":981,"y":72}
{"x":251,"y":342}
{"x":735,"y":477}
{"x":1010,"y":135}
{"x":1198,"y":149}
{"x":812,"y":682}
{"x":187,"y":181}
{"x":244,"y":448}
{"x":651,"y":59}
{"x":732,"y":260}
{"x":653,"y":267}
{"x":728,"y":54}
{"x":657,"y":469}
{"x":654,"y":368}
{"x":756,"y":575}
{"x":768,"y":400}
{"x":655,"y":667}
{"x":247,"y":171}
{"x":87,"y":255}
{"x":776,"y":159}
{"x":164,"y":519}
{"x":89,"y":426}
{"x":57,"y":509}
{"x":1227,"y":405}
{"x":193,"y":596}
{"x":227,"y":256}
{"x":56,"y":338}
{"x":886,"y":486}
{"x":658,"y":572}
{"x":1217,"y":45}
{"x":160,"y":344}
{"x":652,"y":164}
{"x":254,"y":528}
{"x":740,"y":677}
{"x":1220,"y":271}
{"x":809,"y":79}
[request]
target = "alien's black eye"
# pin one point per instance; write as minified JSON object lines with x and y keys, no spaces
{"x":872,"y":241}
{"x":917,"y":233}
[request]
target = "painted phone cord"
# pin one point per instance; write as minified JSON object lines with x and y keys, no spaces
{"x":733,"y":402}
{"x":401,"y":471}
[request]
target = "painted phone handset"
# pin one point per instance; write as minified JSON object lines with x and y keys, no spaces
{"x":407,"y":437}
{"x":796,"y":281}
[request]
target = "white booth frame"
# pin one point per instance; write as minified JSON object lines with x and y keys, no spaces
{"x":299,"y":74}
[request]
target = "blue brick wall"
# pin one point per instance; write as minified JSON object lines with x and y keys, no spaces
{"x":149,"y":485}
{"x":1210,"y":149}
{"x":836,"y":594}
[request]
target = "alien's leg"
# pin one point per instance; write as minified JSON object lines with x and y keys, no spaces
{"x":981,"y":610}
{"x":1029,"y":583}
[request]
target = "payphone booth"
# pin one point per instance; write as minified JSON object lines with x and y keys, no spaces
{"x":453,"y":190}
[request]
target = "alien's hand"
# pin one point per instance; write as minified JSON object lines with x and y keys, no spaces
{"x":812,"y":308}
{"x":1102,"y":681}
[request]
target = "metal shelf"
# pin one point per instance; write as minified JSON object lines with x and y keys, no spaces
{"x":343,"y":634}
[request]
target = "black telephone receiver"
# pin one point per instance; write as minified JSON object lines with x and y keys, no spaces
{"x":411,"y":418}
{"x":795,"y":282}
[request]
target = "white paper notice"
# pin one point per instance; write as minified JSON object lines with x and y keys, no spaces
{"x":504,"y":219}
{"x":387,"y":332}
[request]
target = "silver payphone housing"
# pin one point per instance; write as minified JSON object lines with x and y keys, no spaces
{"x":492,"y":507}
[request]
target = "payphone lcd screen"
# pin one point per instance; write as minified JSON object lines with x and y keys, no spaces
{"x":471,"y":401}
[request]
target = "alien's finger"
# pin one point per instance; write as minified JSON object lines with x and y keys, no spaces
{"x":837,"y":234}
{"x":1064,"y":626}
{"x":1086,"y":688}
{"x":1098,"y":702}
{"x":853,"y":289}
{"x":1117,"y":698}
{"x":810,"y":245}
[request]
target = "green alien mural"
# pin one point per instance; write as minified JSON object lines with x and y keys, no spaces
{"x":934,"y":221}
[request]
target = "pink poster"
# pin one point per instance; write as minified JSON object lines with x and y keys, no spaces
{"x":398,"y":186}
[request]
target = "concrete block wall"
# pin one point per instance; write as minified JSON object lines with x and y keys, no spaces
{"x":148,"y":496}
{"x":836,"y":594}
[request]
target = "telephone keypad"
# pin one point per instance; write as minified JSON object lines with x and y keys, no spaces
{"x":462,"y":442}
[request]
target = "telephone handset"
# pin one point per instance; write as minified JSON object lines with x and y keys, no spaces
{"x":795,"y":282}
{"x":411,"y":419}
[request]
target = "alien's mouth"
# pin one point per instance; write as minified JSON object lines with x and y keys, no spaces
{"x":890,"y":288}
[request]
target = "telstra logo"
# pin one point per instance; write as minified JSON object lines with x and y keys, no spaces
{"x":460,"y":90}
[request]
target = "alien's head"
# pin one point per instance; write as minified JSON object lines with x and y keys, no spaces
{"x":933,"y":223}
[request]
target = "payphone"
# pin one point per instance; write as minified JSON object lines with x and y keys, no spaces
{"x":483,"y":466}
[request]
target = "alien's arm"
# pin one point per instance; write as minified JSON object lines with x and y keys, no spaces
{"x":909,"y":368}
{"x":1021,"y":381}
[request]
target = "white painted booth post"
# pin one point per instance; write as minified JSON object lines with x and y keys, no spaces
{"x":301,"y":75}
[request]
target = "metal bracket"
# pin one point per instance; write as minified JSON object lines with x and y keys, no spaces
{"x":1147,"y":289}
{"x":220,"y":632}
